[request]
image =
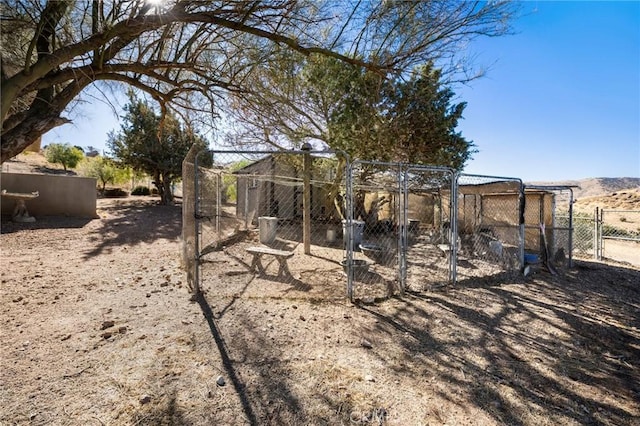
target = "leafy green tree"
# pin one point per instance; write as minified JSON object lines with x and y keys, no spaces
{"x":365,"y":114}
{"x":65,"y":154}
{"x":229,"y":182}
{"x":104,"y":170}
{"x":368,"y":115}
{"x":408,"y":120}
{"x":153,"y":144}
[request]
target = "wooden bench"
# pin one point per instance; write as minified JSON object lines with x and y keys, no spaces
{"x":280,"y":255}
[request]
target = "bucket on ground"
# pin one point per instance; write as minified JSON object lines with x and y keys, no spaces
{"x":357,"y":230}
{"x":268,"y":229}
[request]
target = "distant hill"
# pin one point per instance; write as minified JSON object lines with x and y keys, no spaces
{"x":625,"y":199}
{"x":606,"y":193}
{"x":596,"y":187}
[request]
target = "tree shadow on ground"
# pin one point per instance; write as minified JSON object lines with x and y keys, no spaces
{"x":238,"y":384}
{"x":559,"y":348}
{"x":166,"y":412}
{"x":253,"y":366}
{"x":43,"y":222}
{"x":134,"y":223}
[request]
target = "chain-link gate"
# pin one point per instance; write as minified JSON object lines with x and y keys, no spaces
{"x":585,"y":234}
{"x":490,"y":226}
{"x":430,"y":204}
{"x":606,"y":234}
{"x":551,"y":206}
{"x":265,"y":223}
{"x":373,"y":230}
{"x":400,"y":231}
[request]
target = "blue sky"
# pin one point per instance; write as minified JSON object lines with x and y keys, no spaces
{"x":561,"y":98}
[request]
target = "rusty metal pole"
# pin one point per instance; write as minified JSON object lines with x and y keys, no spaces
{"x":306,"y":200}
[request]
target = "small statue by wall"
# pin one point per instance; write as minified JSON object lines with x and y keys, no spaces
{"x":20,"y":213}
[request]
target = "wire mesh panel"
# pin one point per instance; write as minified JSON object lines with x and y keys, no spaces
{"x":551,"y":206}
{"x":428,"y":215}
{"x":490,"y":226}
{"x":620,"y":233}
{"x":268,"y":223}
{"x":373,"y":230}
{"x":585,"y":235}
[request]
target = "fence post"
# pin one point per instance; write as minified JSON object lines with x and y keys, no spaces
{"x":596,"y":241}
{"x":522,"y":205}
{"x":601,"y":248}
{"x":570,"y":228}
{"x":306,"y":200}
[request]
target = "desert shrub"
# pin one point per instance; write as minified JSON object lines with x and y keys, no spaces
{"x":141,"y":190}
{"x":115,"y":193}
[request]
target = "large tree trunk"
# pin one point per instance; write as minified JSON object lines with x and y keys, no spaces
{"x":20,"y":137}
{"x":162,"y":181}
{"x":167,"y":195}
{"x":43,"y":115}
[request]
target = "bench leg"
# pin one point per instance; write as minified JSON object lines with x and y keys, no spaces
{"x":256,"y":264}
{"x":283,"y":270}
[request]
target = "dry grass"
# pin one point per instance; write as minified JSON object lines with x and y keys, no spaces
{"x":544,"y":350}
{"x":541,"y":351}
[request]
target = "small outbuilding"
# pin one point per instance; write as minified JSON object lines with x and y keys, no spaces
{"x":273,"y":186}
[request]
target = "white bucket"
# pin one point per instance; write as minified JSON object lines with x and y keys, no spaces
{"x":268,"y":229}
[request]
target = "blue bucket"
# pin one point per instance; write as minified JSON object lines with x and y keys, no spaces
{"x":531,"y":258}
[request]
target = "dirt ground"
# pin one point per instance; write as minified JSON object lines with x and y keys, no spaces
{"x":99,"y":328}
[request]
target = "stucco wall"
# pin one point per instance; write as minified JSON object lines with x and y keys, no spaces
{"x":59,"y":195}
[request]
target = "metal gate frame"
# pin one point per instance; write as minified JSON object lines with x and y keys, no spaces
{"x":350,"y":224}
{"x":558,"y":190}
{"x":453,"y":208}
{"x":402,"y":172}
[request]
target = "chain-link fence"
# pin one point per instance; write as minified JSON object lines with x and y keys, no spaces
{"x":189,"y":256}
{"x":313,"y":225}
{"x":620,"y":235}
{"x":374,"y":233}
{"x":490,"y":226}
{"x":265,"y":223}
{"x":429,"y":214}
{"x":551,"y":206}
{"x":607,"y":235}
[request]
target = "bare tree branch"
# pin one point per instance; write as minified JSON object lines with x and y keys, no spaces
{"x":186,"y":52}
